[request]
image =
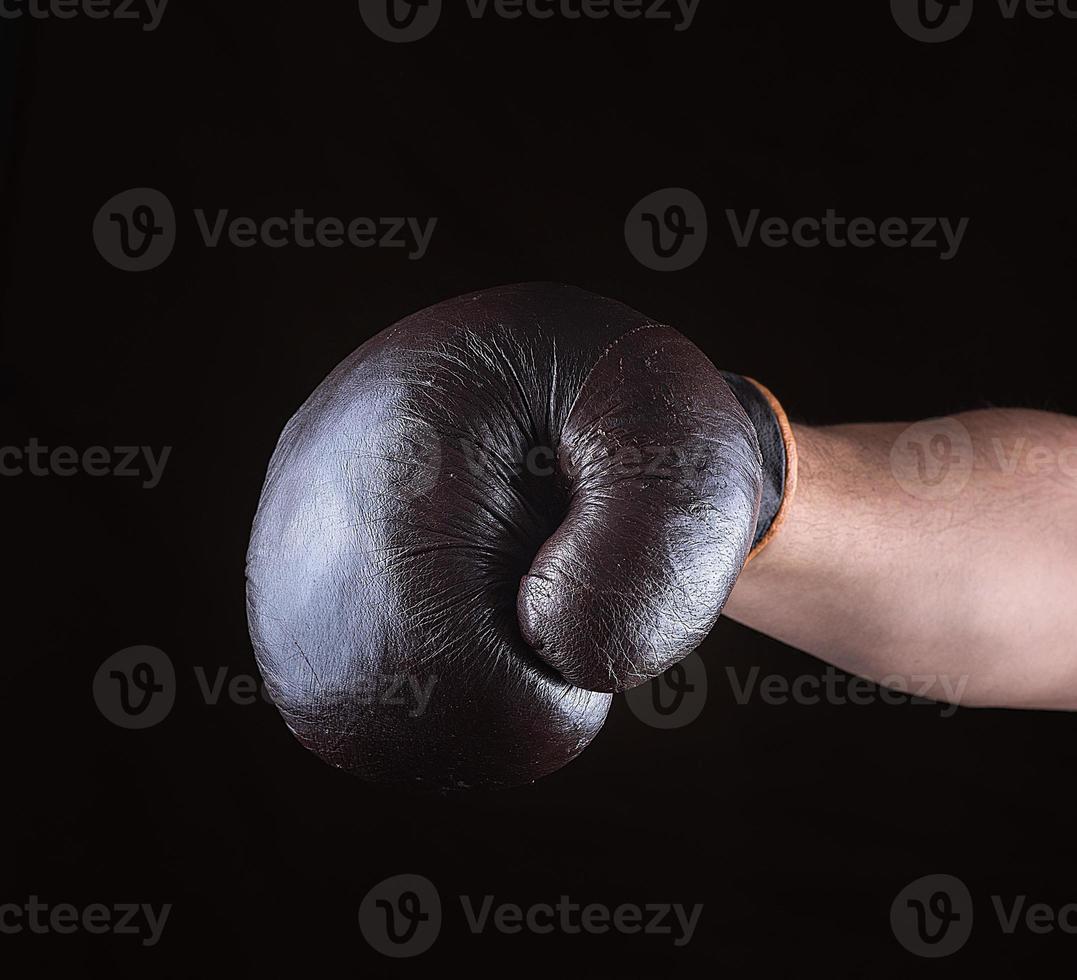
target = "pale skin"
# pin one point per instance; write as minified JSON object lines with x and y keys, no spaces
{"x":947,"y":550}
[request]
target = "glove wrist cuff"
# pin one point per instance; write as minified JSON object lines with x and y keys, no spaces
{"x":778,"y":447}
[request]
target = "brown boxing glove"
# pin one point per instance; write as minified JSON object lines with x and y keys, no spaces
{"x":506,"y":507}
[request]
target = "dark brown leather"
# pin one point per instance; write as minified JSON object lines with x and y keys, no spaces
{"x":519,"y":501}
{"x":771,"y":446}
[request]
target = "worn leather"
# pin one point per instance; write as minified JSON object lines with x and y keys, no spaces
{"x":519,"y":501}
{"x":772,"y":449}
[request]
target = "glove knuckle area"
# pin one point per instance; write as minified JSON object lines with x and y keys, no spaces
{"x":665,"y":489}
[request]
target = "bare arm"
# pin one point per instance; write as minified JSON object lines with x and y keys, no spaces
{"x":948,"y":548}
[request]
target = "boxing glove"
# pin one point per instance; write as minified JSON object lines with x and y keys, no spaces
{"x":493,"y":516}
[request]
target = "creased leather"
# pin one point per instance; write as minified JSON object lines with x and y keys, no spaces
{"x":519,"y":501}
{"x":771,"y":446}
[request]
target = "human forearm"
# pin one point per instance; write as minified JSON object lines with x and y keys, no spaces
{"x":946,"y":550}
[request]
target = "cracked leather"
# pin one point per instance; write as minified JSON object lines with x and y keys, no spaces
{"x":486,"y":520}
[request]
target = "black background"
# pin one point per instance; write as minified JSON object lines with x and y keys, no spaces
{"x":530,"y":141}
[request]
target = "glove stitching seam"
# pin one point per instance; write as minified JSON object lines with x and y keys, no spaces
{"x":601,"y":357}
